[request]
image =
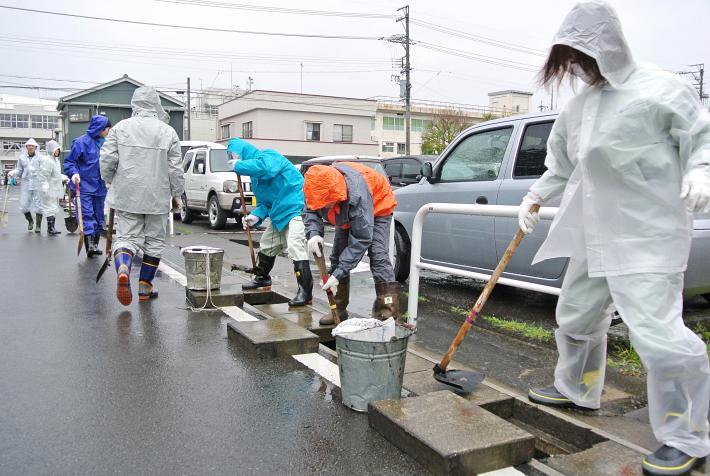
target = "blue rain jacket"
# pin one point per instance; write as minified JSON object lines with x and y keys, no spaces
{"x":84,"y":158}
{"x":276,"y":183}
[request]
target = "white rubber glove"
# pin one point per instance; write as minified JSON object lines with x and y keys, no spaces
{"x":250,"y":220}
{"x":12,"y":173}
{"x":315,"y":243}
{"x":331,"y":284}
{"x":75,"y":178}
{"x":696,"y":190}
{"x":527,"y":220}
{"x":65,"y":179}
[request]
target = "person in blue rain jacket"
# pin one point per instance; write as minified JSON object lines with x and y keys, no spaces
{"x":82,"y":166}
{"x":278,"y":188}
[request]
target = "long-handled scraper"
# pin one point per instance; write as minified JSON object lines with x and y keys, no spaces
{"x":4,"y":217}
{"x":109,"y":243}
{"x":465,"y":380}
{"x":81,"y":220}
{"x":70,"y":222}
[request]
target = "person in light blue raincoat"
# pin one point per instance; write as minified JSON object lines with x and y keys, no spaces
{"x":82,"y":165}
{"x":278,"y":188}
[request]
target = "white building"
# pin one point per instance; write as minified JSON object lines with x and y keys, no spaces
{"x":21,"y":118}
{"x":204,"y":124}
{"x":510,"y":101}
{"x":300,"y":126}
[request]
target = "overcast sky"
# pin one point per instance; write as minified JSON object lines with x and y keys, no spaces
{"x":671,"y":34}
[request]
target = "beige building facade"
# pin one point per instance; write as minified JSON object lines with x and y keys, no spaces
{"x":510,"y":102}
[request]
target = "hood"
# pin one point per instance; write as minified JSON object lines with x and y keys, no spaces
{"x":52,"y":145}
{"x":324,"y":185}
{"x":98,"y":123}
{"x":594,"y":29}
{"x":146,"y":103}
{"x":31,"y":142}
{"x":243,"y":149}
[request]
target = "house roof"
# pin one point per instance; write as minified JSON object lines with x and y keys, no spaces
{"x":510,"y":91}
{"x":123,"y":79}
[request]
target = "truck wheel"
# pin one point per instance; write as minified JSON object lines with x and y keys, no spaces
{"x":401,"y":255}
{"x":186,"y":215}
{"x":217,"y":216}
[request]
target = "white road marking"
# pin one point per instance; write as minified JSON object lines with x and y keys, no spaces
{"x":238,"y":314}
{"x":322,"y":366}
{"x":509,"y":471}
{"x":173,"y":274}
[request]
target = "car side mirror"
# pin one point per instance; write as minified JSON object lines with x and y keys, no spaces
{"x":200,"y":168}
{"x":427,"y":170}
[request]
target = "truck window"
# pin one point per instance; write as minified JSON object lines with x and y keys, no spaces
{"x":530,"y":162}
{"x":478,"y":157}
{"x":411,"y":169}
{"x":199,"y":159}
{"x":186,"y":163}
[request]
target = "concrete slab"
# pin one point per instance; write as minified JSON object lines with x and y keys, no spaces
{"x":416,"y":364}
{"x":423,"y":383}
{"x":272,"y":337}
{"x":305,"y":316}
{"x":263,"y":297}
{"x":226,"y":296}
{"x":450,"y":435}
{"x":605,"y":458}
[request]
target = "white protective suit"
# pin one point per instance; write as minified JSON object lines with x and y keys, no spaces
{"x":619,"y":153}
{"x":27,"y":172}
{"x":141,"y":161}
{"x":50,"y":181}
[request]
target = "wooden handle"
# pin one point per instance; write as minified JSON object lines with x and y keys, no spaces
{"x":320,"y":261}
{"x":248,"y":228}
{"x":109,"y":236}
{"x":476,"y":309}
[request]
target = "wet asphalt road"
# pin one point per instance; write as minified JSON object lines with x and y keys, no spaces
{"x":90,"y":387}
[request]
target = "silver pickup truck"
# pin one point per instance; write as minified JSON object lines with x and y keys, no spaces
{"x":211,"y":186}
{"x":496,"y":162}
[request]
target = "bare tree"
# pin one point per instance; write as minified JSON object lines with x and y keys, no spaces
{"x":443,"y":130}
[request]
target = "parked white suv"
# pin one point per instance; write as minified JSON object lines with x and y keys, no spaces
{"x":211,"y":186}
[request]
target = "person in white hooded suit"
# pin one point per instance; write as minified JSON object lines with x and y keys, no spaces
{"x":51,"y":185}
{"x":27,"y":171}
{"x":631,"y":156}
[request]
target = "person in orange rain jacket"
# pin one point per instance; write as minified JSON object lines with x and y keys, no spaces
{"x":359,"y":202}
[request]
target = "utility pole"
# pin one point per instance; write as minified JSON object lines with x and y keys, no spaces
{"x":698,"y":75}
{"x":407,"y":82}
{"x":189,"y":112}
{"x":301,"y":78}
{"x":250,"y":82}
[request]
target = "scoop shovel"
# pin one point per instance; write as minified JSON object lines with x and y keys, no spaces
{"x":465,"y":380}
{"x":70,"y":222}
{"x":109,"y":242}
{"x":5,"y":216}
{"x":81,"y":221}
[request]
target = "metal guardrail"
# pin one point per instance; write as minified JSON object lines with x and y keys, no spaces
{"x":416,"y":264}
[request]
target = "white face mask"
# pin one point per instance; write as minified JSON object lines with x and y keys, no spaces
{"x":580,"y":73}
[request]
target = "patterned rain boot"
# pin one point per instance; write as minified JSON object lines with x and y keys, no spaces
{"x":145,"y":284}
{"x":386,"y":303}
{"x":51,"y":230}
{"x":123,"y":258}
{"x":342,"y":299}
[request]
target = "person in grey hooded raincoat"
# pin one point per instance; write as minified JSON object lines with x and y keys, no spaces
{"x":51,"y":185}
{"x":141,"y":161}
{"x":630,"y":154}
{"x":27,"y":171}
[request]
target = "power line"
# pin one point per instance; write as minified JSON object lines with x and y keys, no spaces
{"x":187,"y":27}
{"x":478,"y":57}
{"x":294,"y":11}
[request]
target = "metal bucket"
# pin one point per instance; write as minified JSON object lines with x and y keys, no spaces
{"x":196,"y":266}
{"x":371,"y":371}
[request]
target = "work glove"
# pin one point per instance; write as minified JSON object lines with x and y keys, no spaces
{"x":65,"y":179}
{"x":695,"y":189}
{"x":331,"y":284}
{"x":250,"y":221}
{"x":527,"y":220}
{"x":76,"y":179}
{"x":315,"y":243}
{"x":175,"y":205}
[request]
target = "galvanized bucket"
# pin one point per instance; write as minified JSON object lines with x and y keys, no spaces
{"x":196,"y":266}
{"x":371,"y":371}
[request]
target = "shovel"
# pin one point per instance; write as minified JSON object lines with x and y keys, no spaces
{"x":70,"y":222}
{"x":81,"y":221}
{"x":248,"y":228}
{"x":465,"y":380}
{"x":5,"y":216}
{"x":320,"y":261}
{"x":109,"y":242}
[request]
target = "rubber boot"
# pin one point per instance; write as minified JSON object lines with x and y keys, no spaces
{"x":145,"y":283}
{"x":51,"y":230}
{"x":386,"y":303}
{"x":88,"y":245}
{"x":304,"y":278}
{"x":30,"y":221}
{"x":97,"y":250}
{"x":38,"y":222}
{"x":264,"y":265}
{"x":123,"y":258}
{"x":342,"y":299}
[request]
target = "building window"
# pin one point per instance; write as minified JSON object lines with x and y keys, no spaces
{"x":420,"y":125}
{"x":211,"y":110}
{"x":401,"y":148}
{"x":388,"y":147}
{"x":247,"y":130}
{"x":313,"y":131}
{"x":342,"y":133}
{"x":393,"y":123}
{"x":15,"y":121}
{"x":45,"y":122}
{"x":517,"y":108}
{"x":224,"y":131}
{"x":11,"y":145}
{"x":82,"y":115}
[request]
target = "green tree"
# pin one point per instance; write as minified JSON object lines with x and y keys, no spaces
{"x":444,"y":129}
